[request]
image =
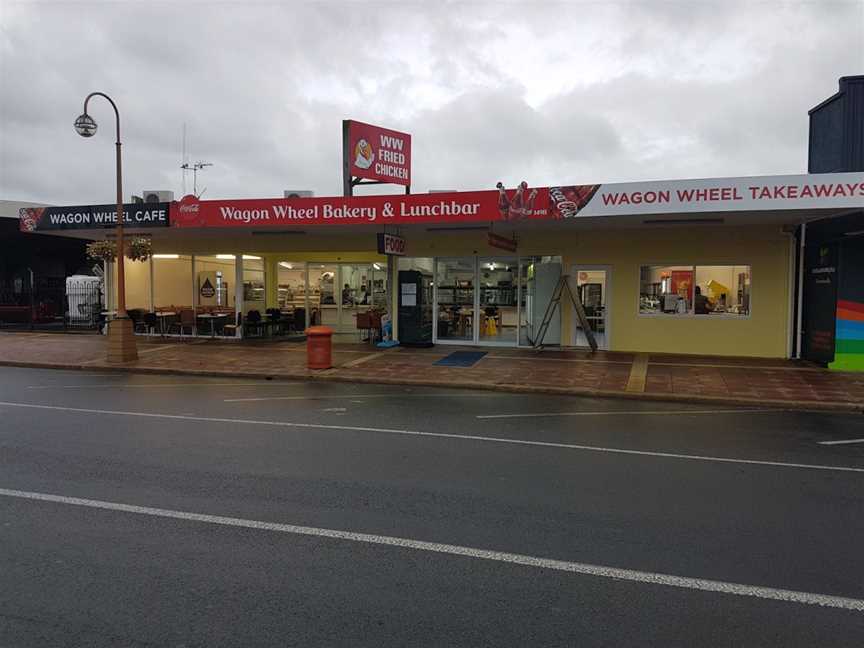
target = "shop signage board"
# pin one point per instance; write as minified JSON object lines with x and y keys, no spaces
{"x":758,"y":193}
{"x":391,"y":244}
{"x":456,"y":207}
{"x":376,"y":153}
{"x":511,"y":206}
{"x":501,"y":242}
{"x":91,"y":217}
{"x":524,"y":203}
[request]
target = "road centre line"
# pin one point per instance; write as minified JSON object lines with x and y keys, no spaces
{"x":623,"y":412}
{"x":843,"y":442}
{"x":585,"y":569}
{"x":439,"y":435}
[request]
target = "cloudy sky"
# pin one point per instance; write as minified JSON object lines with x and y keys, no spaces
{"x":546,"y":92}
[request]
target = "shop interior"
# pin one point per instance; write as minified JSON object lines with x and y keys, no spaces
{"x":489,"y":300}
{"x":715,"y":290}
{"x":475,"y":300}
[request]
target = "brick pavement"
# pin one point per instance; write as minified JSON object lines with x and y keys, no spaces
{"x":669,"y":377}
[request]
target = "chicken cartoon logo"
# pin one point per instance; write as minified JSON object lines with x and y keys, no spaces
{"x":363,"y":154}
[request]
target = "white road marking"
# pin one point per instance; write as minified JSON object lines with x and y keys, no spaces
{"x":143,"y":385}
{"x":844,"y":442}
{"x":437,"y":435}
{"x":623,"y":412}
{"x":585,"y":569}
{"x":392,"y":396}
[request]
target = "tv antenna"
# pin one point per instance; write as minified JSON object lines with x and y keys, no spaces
{"x":194,"y":168}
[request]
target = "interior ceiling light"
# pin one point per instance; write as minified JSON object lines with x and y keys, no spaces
{"x":225,"y":257}
{"x":252,"y":257}
{"x":166,"y":256}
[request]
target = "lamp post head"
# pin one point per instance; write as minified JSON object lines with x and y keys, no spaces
{"x":85,"y":126}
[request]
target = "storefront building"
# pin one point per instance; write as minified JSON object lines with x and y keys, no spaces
{"x":687,"y":266}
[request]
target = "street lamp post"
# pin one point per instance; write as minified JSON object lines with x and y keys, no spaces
{"x":121,"y":336}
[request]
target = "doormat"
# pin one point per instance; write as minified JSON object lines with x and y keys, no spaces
{"x":461,"y":359}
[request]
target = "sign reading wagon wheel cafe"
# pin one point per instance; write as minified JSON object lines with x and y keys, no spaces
{"x":374,"y":155}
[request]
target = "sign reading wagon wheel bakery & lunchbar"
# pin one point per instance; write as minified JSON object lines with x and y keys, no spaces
{"x":374,"y":155}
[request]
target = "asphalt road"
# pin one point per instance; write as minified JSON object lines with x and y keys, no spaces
{"x":174,"y":511}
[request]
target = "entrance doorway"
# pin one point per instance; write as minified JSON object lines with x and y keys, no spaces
{"x":494,"y":301}
{"x":592,"y":285}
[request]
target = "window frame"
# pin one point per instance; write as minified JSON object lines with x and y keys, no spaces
{"x":690,"y":314}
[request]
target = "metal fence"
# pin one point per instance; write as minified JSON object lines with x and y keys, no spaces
{"x":51,"y":303}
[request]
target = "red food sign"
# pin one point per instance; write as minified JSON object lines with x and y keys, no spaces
{"x":376,"y":153}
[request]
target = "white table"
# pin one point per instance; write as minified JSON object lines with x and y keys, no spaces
{"x":162,"y":315}
{"x":211,"y":317}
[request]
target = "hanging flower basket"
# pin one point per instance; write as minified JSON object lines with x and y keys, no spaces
{"x":102,"y":250}
{"x":138,"y":248}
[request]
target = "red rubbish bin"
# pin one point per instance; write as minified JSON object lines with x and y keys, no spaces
{"x":319,"y":344}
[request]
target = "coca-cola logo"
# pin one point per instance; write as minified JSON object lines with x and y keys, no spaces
{"x":566,"y":202}
{"x":185,"y":209}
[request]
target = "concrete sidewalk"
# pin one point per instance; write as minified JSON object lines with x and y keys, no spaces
{"x":706,"y":379}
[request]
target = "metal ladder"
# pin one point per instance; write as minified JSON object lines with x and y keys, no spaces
{"x":555,"y":302}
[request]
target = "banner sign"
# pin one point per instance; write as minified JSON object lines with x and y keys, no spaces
{"x":501,"y":242}
{"x":377,"y":153}
{"x":760,"y":193}
{"x":456,"y":207}
{"x":391,"y":244}
{"x":135,"y":215}
{"x":523,"y":203}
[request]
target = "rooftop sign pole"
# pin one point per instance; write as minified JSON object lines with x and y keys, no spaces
{"x":374,"y":155}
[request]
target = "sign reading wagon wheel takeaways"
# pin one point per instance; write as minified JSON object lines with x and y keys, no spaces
{"x":376,"y":154}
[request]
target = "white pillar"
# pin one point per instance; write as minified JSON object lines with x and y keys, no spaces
{"x":393,"y":294}
{"x":238,"y":292}
{"x":152,"y":288}
{"x":194,"y":298}
{"x":801,"y":289}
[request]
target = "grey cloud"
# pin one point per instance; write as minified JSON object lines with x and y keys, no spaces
{"x":547,"y":93}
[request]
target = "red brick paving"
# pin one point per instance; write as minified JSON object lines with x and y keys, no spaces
{"x":669,"y":377}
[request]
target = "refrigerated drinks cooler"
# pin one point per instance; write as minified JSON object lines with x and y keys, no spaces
{"x":415,"y":308}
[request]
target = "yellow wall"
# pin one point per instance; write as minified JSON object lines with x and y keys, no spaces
{"x":764,"y":248}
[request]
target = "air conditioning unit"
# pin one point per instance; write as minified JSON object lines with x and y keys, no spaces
{"x":298,"y":193}
{"x":158,"y":196}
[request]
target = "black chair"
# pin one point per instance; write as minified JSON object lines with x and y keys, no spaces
{"x":253,"y":326}
{"x":137,"y":317}
{"x":231,"y":329}
{"x":151,"y":322}
{"x":299,"y":322}
{"x":275,"y":322}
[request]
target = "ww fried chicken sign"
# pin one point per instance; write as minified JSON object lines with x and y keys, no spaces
{"x":375,"y":155}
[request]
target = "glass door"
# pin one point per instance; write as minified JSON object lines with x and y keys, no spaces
{"x":498,"y":286}
{"x":356,"y":295}
{"x":455,"y":290}
{"x":324,"y":309}
{"x":291,"y":294}
{"x":592,"y":289}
